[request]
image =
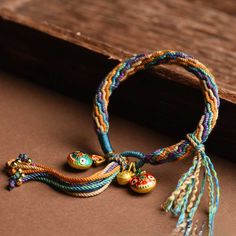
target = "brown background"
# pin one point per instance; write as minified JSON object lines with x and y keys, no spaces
{"x":48,"y":126}
{"x":55,"y":43}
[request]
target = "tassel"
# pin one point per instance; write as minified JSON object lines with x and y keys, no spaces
{"x":23,"y":170}
{"x":184,"y":201}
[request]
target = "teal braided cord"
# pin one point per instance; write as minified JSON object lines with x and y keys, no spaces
{"x":195,"y":207}
{"x":180,"y":182}
{"x":72,"y":188}
{"x":214,"y":200}
{"x":183,"y":204}
{"x":211,"y":192}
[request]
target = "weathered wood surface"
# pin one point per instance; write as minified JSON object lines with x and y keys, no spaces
{"x":121,"y":28}
{"x":70,"y":47}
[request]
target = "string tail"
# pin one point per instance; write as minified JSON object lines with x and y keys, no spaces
{"x":23,"y":169}
{"x":185,"y":199}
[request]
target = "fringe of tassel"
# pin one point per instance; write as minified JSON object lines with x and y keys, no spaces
{"x":184,"y":201}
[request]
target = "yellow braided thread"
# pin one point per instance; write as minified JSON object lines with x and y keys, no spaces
{"x":197,"y":181}
{"x":92,"y":194}
{"x":41,"y":168}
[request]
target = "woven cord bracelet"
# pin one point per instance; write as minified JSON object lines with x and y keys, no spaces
{"x":185,"y":199}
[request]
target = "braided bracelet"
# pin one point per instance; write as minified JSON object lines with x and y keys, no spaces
{"x":184,"y":201}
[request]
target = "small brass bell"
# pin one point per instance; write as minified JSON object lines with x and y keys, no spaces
{"x":125,"y":176}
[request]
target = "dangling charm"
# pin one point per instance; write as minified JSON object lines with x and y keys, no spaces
{"x":142,"y":182}
{"x":125,"y":176}
{"x":83,"y":161}
{"x":138,"y":180}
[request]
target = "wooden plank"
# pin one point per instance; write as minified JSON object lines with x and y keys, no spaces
{"x":118,"y":30}
{"x":227,"y":6}
{"x":46,"y":49}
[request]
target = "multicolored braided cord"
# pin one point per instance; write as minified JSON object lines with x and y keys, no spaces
{"x":185,"y":199}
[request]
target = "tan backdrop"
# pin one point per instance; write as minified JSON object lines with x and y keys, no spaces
{"x":48,"y":126}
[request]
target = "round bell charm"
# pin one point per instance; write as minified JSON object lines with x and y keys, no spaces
{"x":125,"y":176}
{"x":143,"y":182}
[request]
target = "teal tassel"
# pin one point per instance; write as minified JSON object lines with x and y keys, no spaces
{"x":183,"y":201}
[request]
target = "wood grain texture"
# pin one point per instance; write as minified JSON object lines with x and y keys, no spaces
{"x":70,"y":48}
{"x":117,"y":29}
{"x":227,"y":6}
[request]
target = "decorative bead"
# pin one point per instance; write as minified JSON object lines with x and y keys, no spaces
{"x":14,"y":164}
{"x":9,"y":163}
{"x":12,"y":184}
{"x":143,"y":182}
{"x":23,"y":157}
{"x":19,"y":182}
{"x":29,"y":160}
{"x":79,"y":160}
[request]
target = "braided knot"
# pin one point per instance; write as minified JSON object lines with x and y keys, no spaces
{"x":119,"y":159}
{"x":195,"y":143}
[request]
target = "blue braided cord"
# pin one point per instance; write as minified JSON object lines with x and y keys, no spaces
{"x":105,"y":142}
{"x":209,"y":82}
{"x":206,"y":123}
{"x":139,"y":155}
{"x":212,"y":193}
{"x":216,"y":182}
{"x":187,"y":174}
{"x":183,"y":204}
{"x":191,"y":214}
{"x":127,"y":65}
{"x":115,"y":83}
{"x":181,"y":181}
{"x":158,"y":152}
{"x":179,"y":208}
{"x":91,"y":186}
{"x":215,"y":200}
{"x":57,"y":179}
{"x":194,"y":209}
{"x":105,"y":116}
{"x":166,"y":56}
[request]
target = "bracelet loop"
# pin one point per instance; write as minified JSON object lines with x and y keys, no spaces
{"x":120,"y":73}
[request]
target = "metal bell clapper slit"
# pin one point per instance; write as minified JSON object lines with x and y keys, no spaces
{"x":142,"y":182}
{"x":124,"y":177}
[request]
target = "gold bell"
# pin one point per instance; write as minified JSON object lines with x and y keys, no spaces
{"x":125,"y":176}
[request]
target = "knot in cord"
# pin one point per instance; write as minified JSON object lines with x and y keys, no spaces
{"x":119,"y":159}
{"x":195,"y":143}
